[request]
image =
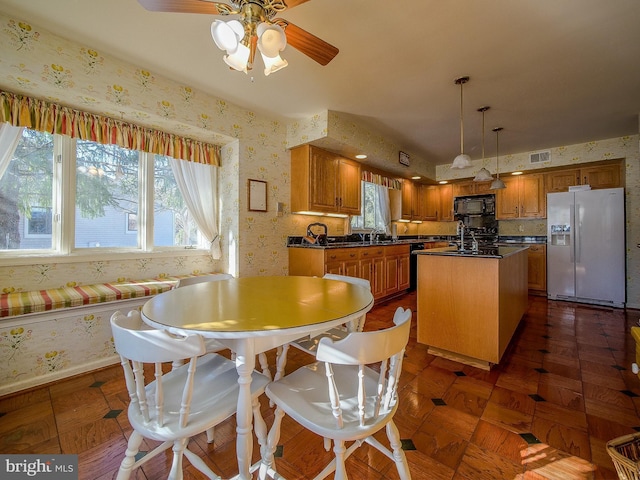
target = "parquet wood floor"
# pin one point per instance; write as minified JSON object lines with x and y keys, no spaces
{"x":563,"y":389}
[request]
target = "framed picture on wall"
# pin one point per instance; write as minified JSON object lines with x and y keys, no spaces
{"x":257,"y":195}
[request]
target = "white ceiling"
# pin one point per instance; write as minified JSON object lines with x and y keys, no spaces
{"x":553,"y":72}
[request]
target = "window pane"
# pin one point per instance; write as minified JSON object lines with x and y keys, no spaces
{"x":371,"y":217}
{"x":26,"y":194}
{"x":173,"y":225}
{"x":107,"y":195}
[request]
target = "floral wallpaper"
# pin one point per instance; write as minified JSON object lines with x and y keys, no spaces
{"x":254,"y":146}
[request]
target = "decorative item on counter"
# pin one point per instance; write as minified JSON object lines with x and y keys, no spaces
{"x":319,"y":238}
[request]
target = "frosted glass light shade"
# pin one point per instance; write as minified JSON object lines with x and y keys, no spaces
{"x":273,"y":64}
{"x":461,"y":161}
{"x":227,"y":35}
{"x":483,"y":176}
{"x":239,"y":59}
{"x":497,"y":184}
{"x":271,"y":39}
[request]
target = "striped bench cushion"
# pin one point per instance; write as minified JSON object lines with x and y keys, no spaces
{"x":19,"y":303}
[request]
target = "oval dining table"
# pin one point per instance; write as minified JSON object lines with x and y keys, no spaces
{"x":250,"y":315}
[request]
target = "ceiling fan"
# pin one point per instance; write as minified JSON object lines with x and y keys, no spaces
{"x":255,"y":29}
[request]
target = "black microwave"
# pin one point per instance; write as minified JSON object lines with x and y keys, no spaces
{"x":475,"y":205}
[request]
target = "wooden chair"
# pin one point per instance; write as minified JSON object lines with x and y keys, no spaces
{"x":342,"y":398}
{"x":309,"y":344}
{"x":176,"y":404}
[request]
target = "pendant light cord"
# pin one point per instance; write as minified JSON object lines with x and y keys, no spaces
{"x":461,"y":121}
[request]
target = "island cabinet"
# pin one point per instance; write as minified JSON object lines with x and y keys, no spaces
{"x":385,"y":266}
{"x":608,"y":175}
{"x":324,"y":182}
{"x":469,"y":307}
{"x":523,"y":197}
{"x":537,"y":266}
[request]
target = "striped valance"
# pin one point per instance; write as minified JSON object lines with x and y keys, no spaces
{"x":378,"y":179}
{"x":24,"y":111}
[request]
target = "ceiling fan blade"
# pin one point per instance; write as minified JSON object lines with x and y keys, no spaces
{"x":313,"y":47}
{"x":294,"y":3}
{"x":186,"y":6}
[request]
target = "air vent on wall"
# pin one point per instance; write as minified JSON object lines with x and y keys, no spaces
{"x":540,"y":157}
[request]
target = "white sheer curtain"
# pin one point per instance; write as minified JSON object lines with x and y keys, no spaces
{"x":384,"y":207}
{"x":9,"y":138}
{"x":198,"y":184}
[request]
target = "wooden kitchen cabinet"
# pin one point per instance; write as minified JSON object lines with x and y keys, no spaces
{"x":523,"y":197}
{"x":446,"y":203}
{"x":385,"y":266}
{"x":410,"y":201}
{"x":430,"y":201}
{"x":466,"y":188}
{"x":609,"y":175}
{"x":537,"y":263}
{"x":437,"y":203}
{"x":324,"y":182}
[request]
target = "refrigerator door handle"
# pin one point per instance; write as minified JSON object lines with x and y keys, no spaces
{"x":572,"y":233}
{"x":576,"y":232}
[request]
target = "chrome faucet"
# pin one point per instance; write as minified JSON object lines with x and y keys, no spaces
{"x":460,"y":232}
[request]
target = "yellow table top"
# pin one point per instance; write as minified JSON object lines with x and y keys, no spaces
{"x":238,"y":306}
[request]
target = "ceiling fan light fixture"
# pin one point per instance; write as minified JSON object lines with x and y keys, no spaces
{"x":271,"y":39}
{"x":226,"y":35}
{"x":239,"y":59}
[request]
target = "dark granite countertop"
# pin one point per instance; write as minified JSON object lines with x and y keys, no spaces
{"x":490,"y":252}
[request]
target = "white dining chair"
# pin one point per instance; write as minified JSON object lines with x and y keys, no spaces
{"x":343,"y":397}
{"x":212,"y":277}
{"x":174,"y":405}
{"x":309,"y":344}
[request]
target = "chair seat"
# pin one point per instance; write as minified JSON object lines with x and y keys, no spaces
{"x":310,"y":344}
{"x":303,"y":396}
{"x":215,"y":398}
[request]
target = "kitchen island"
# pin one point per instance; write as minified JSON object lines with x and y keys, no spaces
{"x":470,"y":303}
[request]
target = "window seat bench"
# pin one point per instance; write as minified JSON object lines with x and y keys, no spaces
{"x":46,"y":335}
{"x":20,"y":303}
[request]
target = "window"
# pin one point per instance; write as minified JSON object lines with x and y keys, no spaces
{"x":375,"y":209}
{"x":105,"y":196}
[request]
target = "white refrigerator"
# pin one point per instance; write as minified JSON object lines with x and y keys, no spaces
{"x":586,"y":246}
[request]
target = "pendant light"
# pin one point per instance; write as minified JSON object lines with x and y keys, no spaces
{"x":462,"y":160}
{"x":483,"y":175}
{"x":497,"y":184}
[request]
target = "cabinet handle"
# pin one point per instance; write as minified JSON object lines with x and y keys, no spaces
{"x":352,"y":255}
{"x":332,"y":257}
{"x":585,"y":180}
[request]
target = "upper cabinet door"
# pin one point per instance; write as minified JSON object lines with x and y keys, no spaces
{"x":533,"y":201}
{"x":560,"y":181}
{"x":349,"y":187}
{"x":324,"y":180}
{"x":445,"y":213}
{"x":508,"y":199}
{"x":602,"y":176}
